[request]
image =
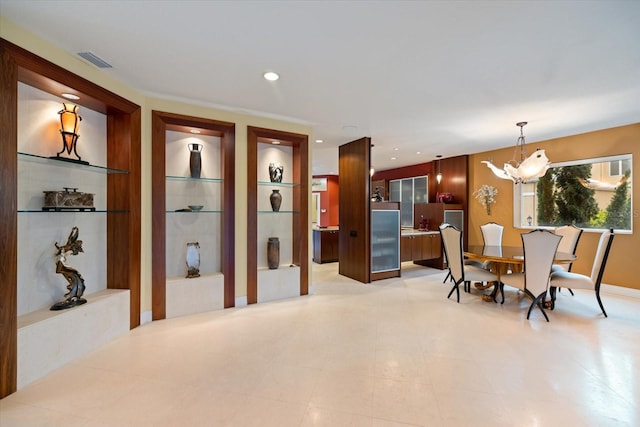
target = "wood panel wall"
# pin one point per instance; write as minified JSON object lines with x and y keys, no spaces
{"x":354,"y":160}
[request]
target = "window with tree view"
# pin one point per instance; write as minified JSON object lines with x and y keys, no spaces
{"x":591,"y":194}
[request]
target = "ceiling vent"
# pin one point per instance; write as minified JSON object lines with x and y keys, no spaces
{"x":94,"y":59}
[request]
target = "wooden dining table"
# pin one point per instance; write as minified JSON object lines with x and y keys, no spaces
{"x":506,"y":258}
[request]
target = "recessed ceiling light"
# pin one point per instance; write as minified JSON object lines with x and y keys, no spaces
{"x":319,"y":141}
{"x":70,"y":96}
{"x":418,"y":152}
{"x":195,"y":131}
{"x":275,"y":142}
{"x":271,"y":76}
{"x":394,"y":158}
{"x":396,"y":149}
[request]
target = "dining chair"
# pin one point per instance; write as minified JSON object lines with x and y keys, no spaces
{"x":466,"y":261}
{"x":539,"y":251}
{"x":569,"y":243}
{"x":567,"y":279}
{"x":491,"y":236}
{"x":460,"y":273}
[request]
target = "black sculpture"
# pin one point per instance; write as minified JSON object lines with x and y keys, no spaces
{"x":377,"y":196}
{"x":276,"y":170}
{"x":76,"y":283}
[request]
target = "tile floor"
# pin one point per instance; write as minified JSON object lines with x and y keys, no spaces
{"x":392,"y":353}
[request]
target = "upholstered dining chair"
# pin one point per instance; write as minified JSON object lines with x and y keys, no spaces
{"x":491,"y":236}
{"x":460,"y":273}
{"x":567,"y":279}
{"x":569,"y":243}
{"x":539,"y":251}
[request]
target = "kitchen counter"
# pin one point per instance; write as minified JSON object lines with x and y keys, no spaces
{"x":414,"y":232}
{"x":330,"y":228}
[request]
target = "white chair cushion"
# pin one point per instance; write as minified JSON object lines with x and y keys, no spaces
{"x":566,"y":279}
{"x":515,"y":280}
{"x":476,"y":274}
{"x":559,"y":267}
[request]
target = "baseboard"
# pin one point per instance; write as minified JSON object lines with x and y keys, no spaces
{"x":620,"y":290}
{"x":146,"y":317}
{"x":241,"y":302}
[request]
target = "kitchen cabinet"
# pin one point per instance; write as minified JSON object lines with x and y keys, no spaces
{"x":436,"y":214}
{"x":325,"y":245}
{"x":420,"y":246}
{"x":385,"y":240}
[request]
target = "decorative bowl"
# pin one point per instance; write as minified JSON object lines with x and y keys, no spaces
{"x":195,"y":207}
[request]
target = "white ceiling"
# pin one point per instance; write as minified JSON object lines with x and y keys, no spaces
{"x":436,"y":77}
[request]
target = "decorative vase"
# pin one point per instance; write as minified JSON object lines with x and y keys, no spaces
{"x":276,"y":170}
{"x":276,"y":199}
{"x":195,"y":159}
{"x":193,"y":260}
{"x":273,"y":252}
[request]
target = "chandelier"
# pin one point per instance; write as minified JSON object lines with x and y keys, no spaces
{"x":521,"y":168}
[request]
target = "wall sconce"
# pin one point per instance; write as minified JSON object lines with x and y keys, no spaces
{"x":70,"y":123}
{"x":439,"y":175}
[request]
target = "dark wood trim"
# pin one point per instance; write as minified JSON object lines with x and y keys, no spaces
{"x":8,"y":224}
{"x":158,"y":218}
{"x":124,"y":194}
{"x":123,"y":191}
{"x":160,"y":123}
{"x":300,"y":223}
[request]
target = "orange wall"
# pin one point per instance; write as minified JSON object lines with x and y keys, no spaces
{"x":621,"y":140}
{"x":329,"y":202}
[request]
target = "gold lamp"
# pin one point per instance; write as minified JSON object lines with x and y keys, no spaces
{"x":70,"y":123}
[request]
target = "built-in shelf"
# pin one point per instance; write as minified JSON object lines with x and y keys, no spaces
{"x":70,"y":211}
{"x":194,"y":212}
{"x":188,"y":178}
{"x":279,"y":184}
{"x":55,"y":161}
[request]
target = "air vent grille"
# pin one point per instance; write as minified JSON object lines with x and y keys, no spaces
{"x":95,"y":59}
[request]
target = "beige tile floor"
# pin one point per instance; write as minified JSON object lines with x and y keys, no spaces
{"x":392,"y":353}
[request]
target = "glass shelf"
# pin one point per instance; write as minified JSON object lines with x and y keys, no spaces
{"x":188,"y":178}
{"x":192,"y":212}
{"x":279,"y":212}
{"x":73,"y":212}
{"x":279,"y":184}
{"x":67,"y":163}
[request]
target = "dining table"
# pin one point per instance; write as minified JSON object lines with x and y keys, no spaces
{"x":504,"y":259}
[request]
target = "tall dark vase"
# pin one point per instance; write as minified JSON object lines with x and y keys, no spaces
{"x":273,"y":252}
{"x":276,"y":200}
{"x":195,"y":159}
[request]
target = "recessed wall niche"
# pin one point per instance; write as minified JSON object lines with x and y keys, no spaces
{"x":204,"y":226}
{"x":39,"y":134}
{"x":275,"y":225}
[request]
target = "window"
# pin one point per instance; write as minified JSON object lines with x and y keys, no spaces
{"x":408,"y":191}
{"x":618,"y":167}
{"x":591,"y":194}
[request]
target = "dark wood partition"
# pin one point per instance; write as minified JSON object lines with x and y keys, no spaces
{"x":300,"y":223}
{"x":123,"y":192}
{"x":354,"y":251}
